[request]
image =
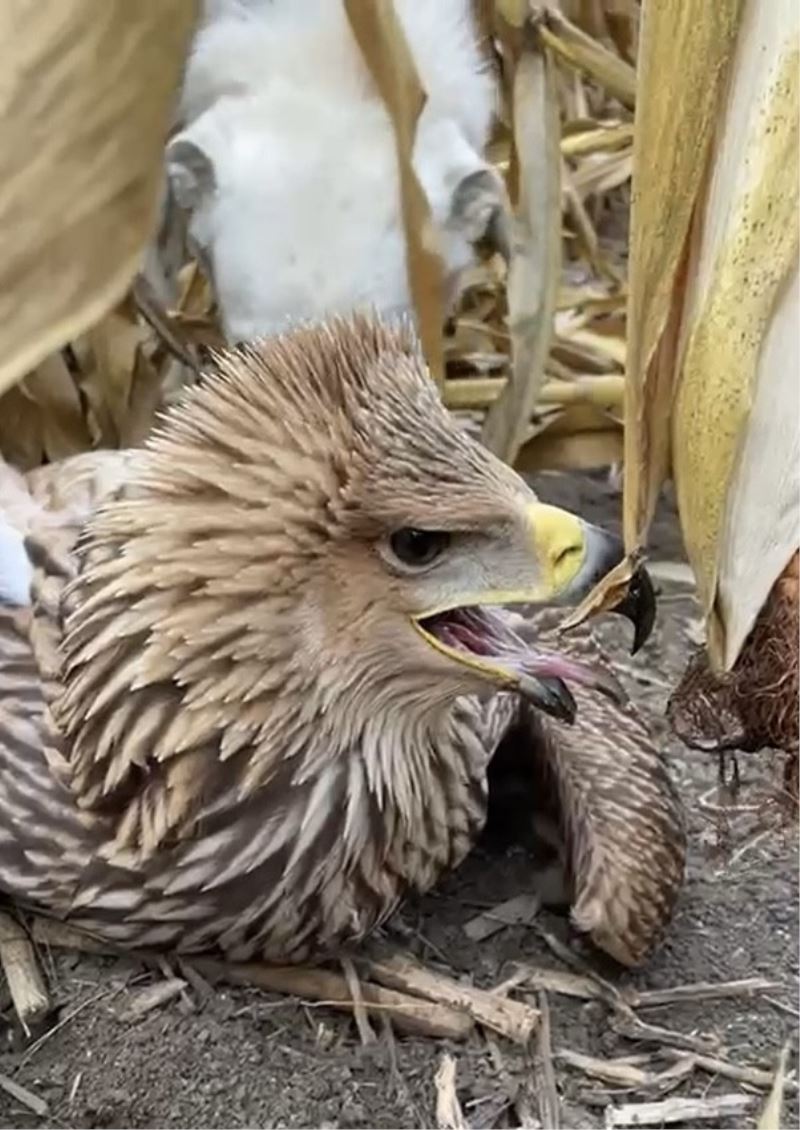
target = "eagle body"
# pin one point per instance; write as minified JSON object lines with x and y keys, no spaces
{"x":227,"y":722}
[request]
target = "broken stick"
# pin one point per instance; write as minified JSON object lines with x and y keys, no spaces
{"x":669,"y":1111}
{"x":25,"y":983}
{"x":544,"y":1074}
{"x":408,"y":1013}
{"x":449,"y":1115}
{"x":512,"y":1019}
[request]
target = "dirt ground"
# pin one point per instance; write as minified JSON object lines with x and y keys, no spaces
{"x":245,"y":1058}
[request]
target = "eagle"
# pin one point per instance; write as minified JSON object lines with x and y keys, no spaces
{"x":253,"y":674}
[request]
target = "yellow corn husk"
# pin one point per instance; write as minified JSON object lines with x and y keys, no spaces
{"x":714,"y":347}
{"x":85,"y":104}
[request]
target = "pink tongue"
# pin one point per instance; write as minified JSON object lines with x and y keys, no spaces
{"x":557,"y":666}
{"x":489,"y":636}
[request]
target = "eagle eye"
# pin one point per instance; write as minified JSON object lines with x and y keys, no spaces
{"x":417,"y":548}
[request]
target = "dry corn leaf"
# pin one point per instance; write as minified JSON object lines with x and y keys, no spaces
{"x":735,"y":427}
{"x":113,"y":342}
{"x":85,"y":104}
{"x":596,"y":139}
{"x":575,"y":417}
{"x":584,"y":228}
{"x":622,"y":20}
{"x":383,"y":44}
{"x":714,"y":346}
{"x":42,"y":417}
{"x":145,"y":399}
{"x":575,"y":47}
{"x":608,"y":594}
{"x":600,"y":173}
{"x":535,"y":264}
{"x":606,"y":345}
{"x":683,"y":54}
{"x":52,"y":389}
{"x":574,"y":451}
{"x":582,"y":356}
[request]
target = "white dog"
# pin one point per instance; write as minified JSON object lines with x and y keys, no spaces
{"x":286,"y":160}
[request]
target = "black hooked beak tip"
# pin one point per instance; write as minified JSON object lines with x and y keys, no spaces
{"x":639,"y":606}
{"x":639,"y":603}
{"x":552,"y":695}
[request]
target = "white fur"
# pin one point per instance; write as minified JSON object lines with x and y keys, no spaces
{"x":287,"y":157}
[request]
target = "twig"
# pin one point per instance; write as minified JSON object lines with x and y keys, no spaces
{"x":449,"y":1115}
{"x":24,"y":1096}
{"x":365,"y":1032}
{"x":700,"y":991}
{"x":510,"y":1087}
{"x":154,"y":996}
{"x":200,"y":986}
{"x":605,"y":990}
{"x":783,"y":1007}
{"x":566,"y":984}
{"x":607,"y":1071}
{"x":669,"y":1111}
{"x":25,"y":984}
{"x":667,"y":1080}
{"x":148,"y":305}
{"x":512,"y":1019}
{"x":76,"y":1082}
{"x":739,"y":1073}
{"x":546,"y":1091}
{"x":770,"y":1118}
{"x":626,"y":1023}
{"x":401,"y":1087}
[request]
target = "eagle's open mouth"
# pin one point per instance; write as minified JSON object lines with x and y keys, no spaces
{"x":483,"y":637}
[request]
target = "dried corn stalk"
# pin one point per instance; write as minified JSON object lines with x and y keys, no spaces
{"x":85,"y":103}
{"x":380,"y":37}
{"x":714,"y":347}
{"x":536,"y":259}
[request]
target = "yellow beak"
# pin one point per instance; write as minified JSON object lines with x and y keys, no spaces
{"x":559,"y":545}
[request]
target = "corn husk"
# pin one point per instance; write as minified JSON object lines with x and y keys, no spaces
{"x":85,"y":103}
{"x":714,"y":346}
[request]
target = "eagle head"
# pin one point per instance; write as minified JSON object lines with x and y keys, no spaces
{"x":309,"y":542}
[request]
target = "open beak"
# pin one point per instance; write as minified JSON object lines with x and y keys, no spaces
{"x":568,"y":557}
